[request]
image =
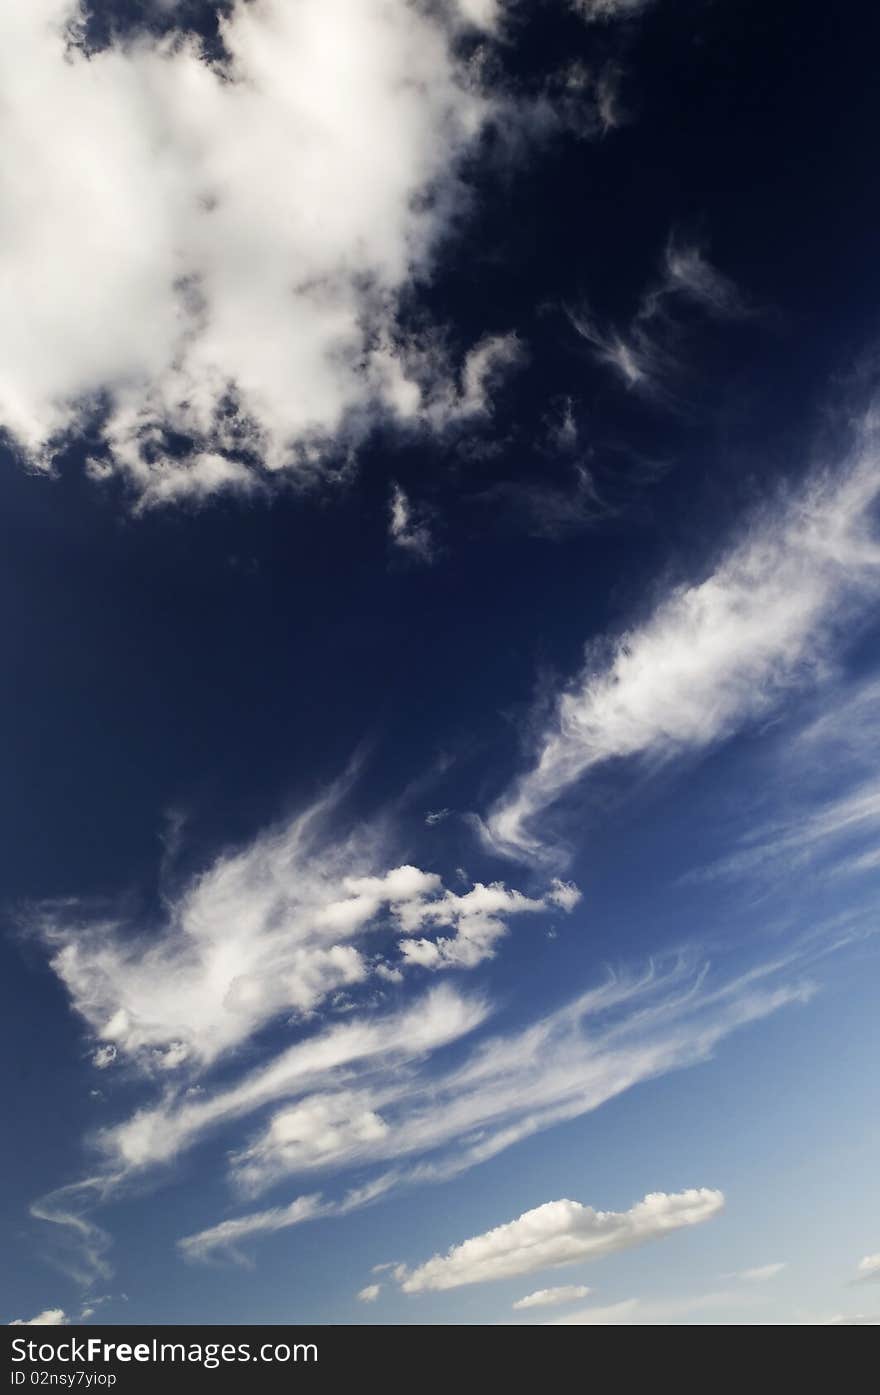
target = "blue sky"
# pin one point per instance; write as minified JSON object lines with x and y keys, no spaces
{"x":440,"y":814}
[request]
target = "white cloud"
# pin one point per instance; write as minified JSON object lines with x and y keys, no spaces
{"x":557,"y":1233}
{"x":407,"y":529}
{"x":610,"y":1315}
{"x":688,"y":273}
{"x":762,"y":1273}
{"x":82,"y":1245}
{"x":228,"y":1233}
{"x":850,"y":1320}
{"x":225,"y":1236}
{"x":155,"y":1134}
{"x":276,"y":927}
{"x":425,"y":1125}
{"x":717,"y":653}
{"x":553,"y":1297}
{"x":484,"y":365}
{"x":370,"y":1293}
{"x":646,"y":355}
{"x":103,"y":1057}
{"x":869,"y":1268}
{"x":659,"y":1312}
{"x":476,"y":919}
{"x":50,"y":1317}
{"x":216,"y":251}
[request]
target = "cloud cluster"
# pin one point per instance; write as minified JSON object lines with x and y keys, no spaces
{"x":205,"y":259}
{"x":717,"y":653}
{"x":276,"y":927}
{"x":558,"y":1233}
{"x":426,"y":1124}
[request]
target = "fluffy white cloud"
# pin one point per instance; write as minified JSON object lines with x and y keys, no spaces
{"x":715,"y":653}
{"x":476,"y":918}
{"x":560,"y":1232}
{"x":483,"y":14}
{"x":50,"y":1317}
{"x":553,"y":1297}
{"x":214,"y":252}
{"x":274,"y":928}
{"x":370,"y":1293}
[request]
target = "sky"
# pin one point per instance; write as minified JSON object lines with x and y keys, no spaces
{"x":440,"y":470}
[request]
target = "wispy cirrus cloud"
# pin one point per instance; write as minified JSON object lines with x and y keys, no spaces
{"x":646,"y":353}
{"x":275,"y":927}
{"x":649,"y":1312}
{"x":596,"y":11}
{"x":716,"y":653}
{"x":408,"y":527}
{"x":428,"y":1125}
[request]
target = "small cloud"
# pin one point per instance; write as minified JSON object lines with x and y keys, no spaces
{"x":851,"y":1320}
{"x":407,"y":530}
{"x":761,"y":1273}
{"x":565,"y":895}
{"x":172,"y":1056}
{"x":551,"y":1297}
{"x":370,"y":1293}
{"x":869,"y":1269}
{"x":562,"y":431}
{"x":436,"y":816}
{"x":50,"y":1317}
{"x":605,"y":11}
{"x":103,"y":1057}
{"x":647,"y":353}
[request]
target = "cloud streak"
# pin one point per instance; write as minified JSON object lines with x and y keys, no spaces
{"x":715,"y":654}
{"x":274,"y":928}
{"x":428,"y":1125}
{"x":552,"y":1297}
